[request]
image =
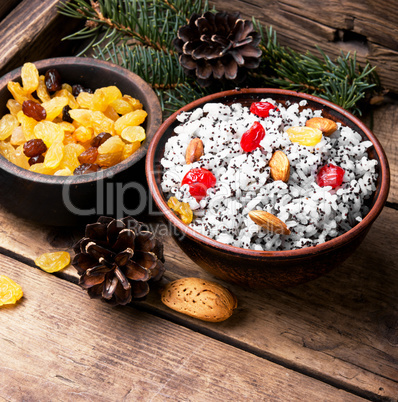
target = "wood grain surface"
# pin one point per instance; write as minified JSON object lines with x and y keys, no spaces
{"x":366,"y":27}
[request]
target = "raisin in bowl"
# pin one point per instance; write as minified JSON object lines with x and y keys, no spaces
{"x":66,"y":200}
{"x":197,"y":172}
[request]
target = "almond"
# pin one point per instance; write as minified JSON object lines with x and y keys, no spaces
{"x":280,"y":166}
{"x":194,"y":151}
{"x":327,"y":126}
{"x":199,"y":298}
{"x":269,"y":222}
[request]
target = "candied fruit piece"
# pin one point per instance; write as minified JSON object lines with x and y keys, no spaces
{"x":54,"y":107}
{"x":28,"y":125}
{"x":10,"y":291}
{"x":101,"y":123}
{"x":30,"y":77}
{"x":100,"y":139}
{"x":34,"y":110}
{"x":84,"y":100}
{"x":34,"y":147}
{"x":110,"y":152}
{"x":86,"y":168}
{"x":307,"y":136}
{"x":133,"y":134}
{"x":89,"y":155}
{"x":182,"y":209}
{"x":13,"y":106}
{"x":17,"y":136}
{"x":49,"y":132}
{"x":82,"y":116}
{"x":53,"y":262}
{"x":19,"y":94}
{"x":83,"y":134}
{"x":41,"y":91}
{"x":18,"y":158}
{"x":129,"y":149}
{"x":103,"y":97}
{"x":130,"y":119}
{"x":7,"y":125}
{"x":53,"y":80}
{"x":54,"y":155}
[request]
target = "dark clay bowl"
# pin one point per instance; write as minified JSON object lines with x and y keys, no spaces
{"x":262,"y":269}
{"x":71,"y":200}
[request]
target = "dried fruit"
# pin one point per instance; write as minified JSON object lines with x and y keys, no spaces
{"x":54,"y":107}
{"x":307,"y":136}
{"x":199,"y":181}
{"x":30,"y":77}
{"x":330,"y":175}
{"x":251,"y":138}
{"x":133,"y":134}
{"x":36,"y":159}
{"x":103,"y":97}
{"x":34,"y":147}
{"x":110,"y":152}
{"x":100,"y":139}
{"x":280,"y":166}
{"x":327,"y":126}
{"x":65,"y":114}
{"x":269,"y":222}
{"x":8,"y":124}
{"x":130,"y":119}
{"x":53,"y":262}
{"x":54,"y":155}
{"x":88,"y":156}
{"x":182,"y":209}
{"x":53,"y":80}
{"x":194,"y":151}
{"x":199,"y":298}
{"x":261,"y":109}
{"x":49,"y":132}
{"x":86,"y":168}
{"x":18,"y":93}
{"x":34,"y":110}
{"x":10,"y":291}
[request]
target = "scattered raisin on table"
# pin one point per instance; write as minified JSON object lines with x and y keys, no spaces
{"x":34,"y":147}
{"x":34,"y":110}
{"x":53,"y":80}
{"x":86,"y":168}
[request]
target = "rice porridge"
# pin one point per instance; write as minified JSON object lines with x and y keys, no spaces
{"x":241,"y":181}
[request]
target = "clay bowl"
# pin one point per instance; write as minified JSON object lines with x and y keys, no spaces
{"x":262,"y":269}
{"x":73,"y":200}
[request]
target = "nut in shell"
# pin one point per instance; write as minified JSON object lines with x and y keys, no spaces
{"x":269,"y":222}
{"x":327,"y":126}
{"x":280,"y":166}
{"x":199,"y":298}
{"x":194,"y":151}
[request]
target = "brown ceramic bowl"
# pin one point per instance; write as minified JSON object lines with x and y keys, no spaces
{"x":261,"y":269}
{"x":56,"y":200}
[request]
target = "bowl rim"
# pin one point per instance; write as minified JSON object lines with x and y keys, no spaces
{"x":153,"y":101}
{"x":345,"y":238}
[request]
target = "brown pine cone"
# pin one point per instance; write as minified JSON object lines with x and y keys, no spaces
{"x":117,"y":258}
{"x":216,"y":46}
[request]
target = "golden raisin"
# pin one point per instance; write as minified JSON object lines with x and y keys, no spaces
{"x":307,"y":136}
{"x":53,"y":262}
{"x":133,"y":133}
{"x":10,"y":291}
{"x":130,"y":119}
{"x":7,"y":125}
{"x":30,"y":77}
{"x":182,"y":209}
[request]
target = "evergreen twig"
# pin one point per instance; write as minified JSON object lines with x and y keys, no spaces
{"x":138,"y":35}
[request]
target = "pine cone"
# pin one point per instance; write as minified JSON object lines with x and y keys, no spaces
{"x":116,"y":258}
{"x":214,"y":46}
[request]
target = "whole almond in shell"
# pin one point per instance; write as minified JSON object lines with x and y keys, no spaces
{"x":194,"y":151}
{"x":280,"y":166}
{"x":199,"y":298}
{"x":327,"y":126}
{"x":269,"y":222}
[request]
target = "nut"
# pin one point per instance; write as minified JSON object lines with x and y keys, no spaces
{"x":269,"y":222}
{"x":327,"y":126}
{"x":194,"y":151}
{"x":199,"y":298}
{"x":280,"y":166}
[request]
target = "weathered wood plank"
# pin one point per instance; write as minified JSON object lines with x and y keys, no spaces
{"x":351,"y":25}
{"x":33,"y":31}
{"x":6,"y":6}
{"x":56,"y":344}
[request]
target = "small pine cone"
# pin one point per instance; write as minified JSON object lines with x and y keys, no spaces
{"x":116,"y":258}
{"x":217,"y":46}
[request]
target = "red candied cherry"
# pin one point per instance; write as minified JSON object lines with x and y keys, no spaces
{"x":251,"y":138}
{"x":261,"y":109}
{"x":199,"y":181}
{"x":330,"y":175}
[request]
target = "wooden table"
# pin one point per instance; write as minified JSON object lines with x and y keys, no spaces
{"x":333,"y":339}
